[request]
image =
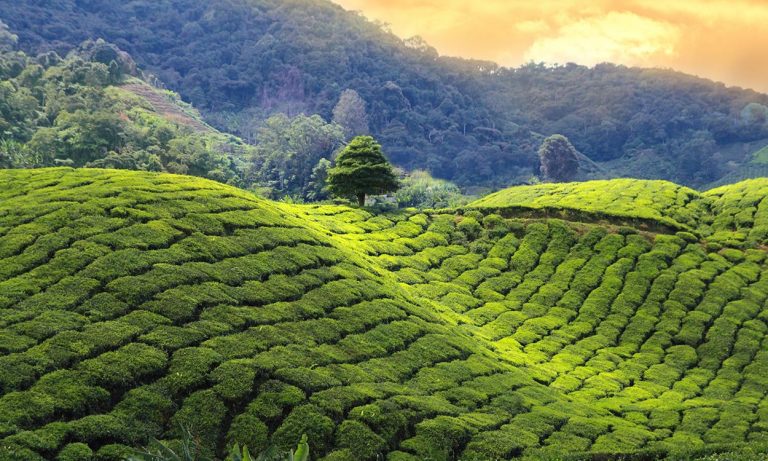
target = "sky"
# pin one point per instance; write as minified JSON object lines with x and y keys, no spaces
{"x":723,"y":40}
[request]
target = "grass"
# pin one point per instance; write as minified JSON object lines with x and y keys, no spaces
{"x":132,"y":304}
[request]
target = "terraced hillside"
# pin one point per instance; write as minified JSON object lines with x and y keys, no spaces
{"x":134,"y":303}
{"x":168,"y":105}
{"x":737,"y":213}
{"x":660,"y":202}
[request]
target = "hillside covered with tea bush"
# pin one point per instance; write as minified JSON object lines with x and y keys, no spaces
{"x":568,"y":321}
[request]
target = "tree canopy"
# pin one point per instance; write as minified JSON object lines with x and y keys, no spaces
{"x":559,"y":159}
{"x":350,"y":113}
{"x":361,"y":169}
{"x":289,"y":150}
{"x":91,"y":109}
{"x":468,"y":121}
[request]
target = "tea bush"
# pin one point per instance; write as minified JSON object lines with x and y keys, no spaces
{"x":133,"y":303}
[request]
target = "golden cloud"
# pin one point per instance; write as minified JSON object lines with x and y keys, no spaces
{"x":614,"y":37}
{"x":532,"y":27}
{"x":720,"y":39}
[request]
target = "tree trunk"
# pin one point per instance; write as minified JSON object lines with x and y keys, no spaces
{"x":361,"y":199}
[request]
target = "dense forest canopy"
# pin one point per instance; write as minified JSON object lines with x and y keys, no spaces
{"x":472,"y":122}
{"x":83,"y":111}
{"x":86,"y":110}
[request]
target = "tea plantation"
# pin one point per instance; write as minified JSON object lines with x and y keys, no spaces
{"x":133,"y":305}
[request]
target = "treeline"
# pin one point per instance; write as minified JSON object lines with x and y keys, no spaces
{"x":670,"y":125}
{"x":242,"y":61}
{"x":79,"y":111}
{"x":69,"y":111}
{"x":468,"y":121}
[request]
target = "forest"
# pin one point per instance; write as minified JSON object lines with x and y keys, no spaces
{"x":470,"y":122}
{"x":95,"y":108}
{"x":73,"y":111}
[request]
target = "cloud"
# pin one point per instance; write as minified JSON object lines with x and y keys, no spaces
{"x":723,"y":40}
{"x":621,"y":37}
{"x":532,"y":27}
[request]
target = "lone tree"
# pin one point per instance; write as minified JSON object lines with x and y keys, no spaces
{"x":361,"y":169}
{"x":559,"y":159}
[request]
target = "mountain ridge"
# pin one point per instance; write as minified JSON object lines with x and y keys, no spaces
{"x":465,"y":120}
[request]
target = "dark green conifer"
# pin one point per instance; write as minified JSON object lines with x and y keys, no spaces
{"x":361,"y":169}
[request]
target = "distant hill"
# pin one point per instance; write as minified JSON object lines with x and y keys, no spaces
{"x":94,"y":108}
{"x":468,"y":121}
{"x":136,"y":303}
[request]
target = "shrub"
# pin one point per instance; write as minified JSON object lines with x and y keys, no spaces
{"x":124,"y":367}
{"x":248,"y":430}
{"x":96,"y":429}
{"x":234,"y":379}
{"x":499,"y":444}
{"x":359,"y":439}
{"x":305,"y":419}
{"x":203,"y":413}
{"x":113,"y":452}
{"x":189,"y":368}
{"x":75,"y":452}
{"x":143,"y":411}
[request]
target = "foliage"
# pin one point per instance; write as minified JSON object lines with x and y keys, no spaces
{"x":740,"y":212}
{"x":350,"y":113}
{"x":291,"y":153}
{"x":8,"y":41}
{"x":361,"y":169}
{"x":419,"y":189}
{"x":87,"y":110}
{"x":132,"y":303}
{"x":467,"y":121}
{"x":558,"y":158}
{"x":189,"y":449}
{"x":657,"y":202}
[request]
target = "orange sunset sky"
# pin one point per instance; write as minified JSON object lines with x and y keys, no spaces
{"x":721,"y":40}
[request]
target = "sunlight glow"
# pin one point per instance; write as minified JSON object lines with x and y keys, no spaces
{"x":721,"y":40}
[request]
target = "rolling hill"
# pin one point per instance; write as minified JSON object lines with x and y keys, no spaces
{"x":134,"y":303}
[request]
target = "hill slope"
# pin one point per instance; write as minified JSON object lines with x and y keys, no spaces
{"x":132,"y":302}
{"x":658,"y":201}
{"x":88,"y":110}
{"x":464,"y":120}
{"x":735,"y":213}
{"x":163,"y":104}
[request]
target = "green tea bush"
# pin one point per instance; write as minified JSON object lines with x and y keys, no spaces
{"x":359,"y":439}
{"x":154,"y":300}
{"x":305,"y":419}
{"x":248,"y":430}
{"x":203,"y":413}
{"x":75,"y":452}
